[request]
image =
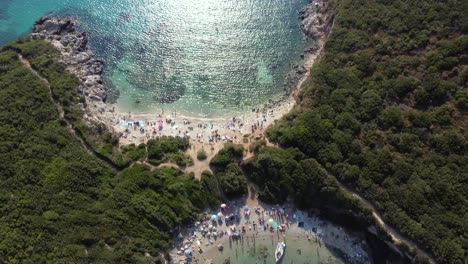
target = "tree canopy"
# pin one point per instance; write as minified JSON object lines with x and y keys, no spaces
{"x":384,"y":111}
{"x":59,"y":203}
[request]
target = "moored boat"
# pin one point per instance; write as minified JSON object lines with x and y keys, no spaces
{"x":279,"y":252}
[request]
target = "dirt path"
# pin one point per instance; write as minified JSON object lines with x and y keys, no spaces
{"x":396,"y":236}
{"x":200,"y":166}
{"x":61,"y":112}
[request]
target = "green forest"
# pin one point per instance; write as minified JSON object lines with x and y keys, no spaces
{"x":384,"y":112}
{"x":61,"y":204}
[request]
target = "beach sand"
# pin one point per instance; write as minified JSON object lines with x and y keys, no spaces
{"x":317,"y":241}
{"x":210,"y":134}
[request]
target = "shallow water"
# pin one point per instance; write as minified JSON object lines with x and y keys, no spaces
{"x":315,"y":242}
{"x":261,"y":250}
{"x":200,"y":57}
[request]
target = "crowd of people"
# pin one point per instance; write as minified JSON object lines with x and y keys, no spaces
{"x":238,"y":225}
{"x":203,"y":131}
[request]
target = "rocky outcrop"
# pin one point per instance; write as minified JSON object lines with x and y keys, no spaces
{"x":316,"y":22}
{"x":77,"y":58}
{"x":316,"y":19}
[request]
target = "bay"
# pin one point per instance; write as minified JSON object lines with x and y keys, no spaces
{"x":197,"y":57}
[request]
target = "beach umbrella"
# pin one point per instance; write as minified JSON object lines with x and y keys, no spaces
{"x":223,"y":205}
{"x":281,"y":210}
{"x":276,"y":225}
{"x":188,"y":253}
{"x":246,"y":208}
{"x":220,"y":214}
{"x":180,"y":236}
{"x":271,"y":221}
{"x":214,"y":217}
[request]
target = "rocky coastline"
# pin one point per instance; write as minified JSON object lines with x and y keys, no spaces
{"x":78,"y":58}
{"x":316,"y":23}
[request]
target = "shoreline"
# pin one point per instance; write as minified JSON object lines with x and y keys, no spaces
{"x":315,"y":22}
{"x":314,"y":238}
{"x":207,"y":134}
{"x":97,"y":111}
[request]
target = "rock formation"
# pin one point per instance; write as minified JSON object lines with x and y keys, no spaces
{"x":79,"y":60}
{"x":316,"y":22}
{"x":316,"y":19}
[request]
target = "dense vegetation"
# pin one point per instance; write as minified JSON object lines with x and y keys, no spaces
{"x":231,"y":178}
{"x":282,"y":173}
{"x":201,"y":155}
{"x":59,"y":203}
{"x":385,"y":112}
{"x":66,"y":92}
{"x":169,"y":149}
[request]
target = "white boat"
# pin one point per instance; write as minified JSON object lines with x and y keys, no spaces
{"x":279,"y":252}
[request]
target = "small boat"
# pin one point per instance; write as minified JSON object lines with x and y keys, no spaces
{"x":279,"y":252}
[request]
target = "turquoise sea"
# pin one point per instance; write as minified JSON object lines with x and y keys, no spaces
{"x":198,"y":57}
{"x":261,"y":251}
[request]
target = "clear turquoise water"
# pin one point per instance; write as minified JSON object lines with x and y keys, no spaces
{"x":262,"y":251}
{"x":208,"y":57}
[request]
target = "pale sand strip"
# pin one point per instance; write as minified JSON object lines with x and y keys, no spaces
{"x":325,"y":234}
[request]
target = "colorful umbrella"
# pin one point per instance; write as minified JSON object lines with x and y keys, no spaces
{"x":276,"y":225}
{"x":188,"y":253}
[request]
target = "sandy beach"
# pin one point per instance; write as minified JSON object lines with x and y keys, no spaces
{"x":208,"y":134}
{"x":252,"y":236}
{"x":139,"y":127}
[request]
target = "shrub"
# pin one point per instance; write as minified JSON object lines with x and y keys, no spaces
{"x":230,"y":152}
{"x":201,"y":155}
